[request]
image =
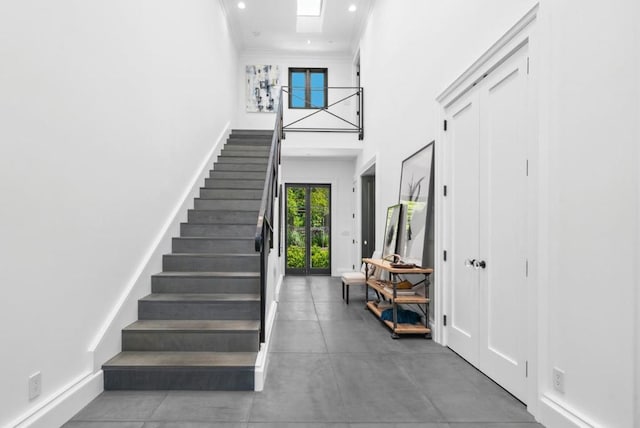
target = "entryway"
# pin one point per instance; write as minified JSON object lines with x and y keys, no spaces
{"x":308,"y":230}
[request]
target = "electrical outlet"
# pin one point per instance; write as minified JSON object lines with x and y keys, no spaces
{"x":35,"y":385}
{"x":558,"y":380}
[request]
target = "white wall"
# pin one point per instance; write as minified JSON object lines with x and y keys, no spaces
{"x":589,"y":82}
{"x":107,"y":111}
{"x":408,"y":55}
{"x":338,"y":173}
{"x":587,"y":62}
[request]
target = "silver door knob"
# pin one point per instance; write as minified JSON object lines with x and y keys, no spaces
{"x":479,"y":264}
{"x":469,"y":263}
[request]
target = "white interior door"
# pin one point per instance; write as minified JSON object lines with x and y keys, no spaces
{"x":465,"y":145}
{"x":503,"y":232}
{"x":488,"y":230}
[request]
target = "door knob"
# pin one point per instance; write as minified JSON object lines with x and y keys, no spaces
{"x":479,"y":264}
{"x":365,"y":242}
{"x":470,"y":263}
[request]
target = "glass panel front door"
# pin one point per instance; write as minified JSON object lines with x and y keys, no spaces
{"x":308,"y":229}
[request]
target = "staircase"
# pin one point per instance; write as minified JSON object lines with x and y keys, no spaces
{"x":199,"y":328}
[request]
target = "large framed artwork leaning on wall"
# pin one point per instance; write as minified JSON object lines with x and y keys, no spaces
{"x":416,"y":197}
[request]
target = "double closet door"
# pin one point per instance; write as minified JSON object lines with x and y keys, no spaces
{"x":487,"y":158}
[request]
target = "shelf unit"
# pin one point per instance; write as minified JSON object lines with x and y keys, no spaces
{"x":392,"y":295}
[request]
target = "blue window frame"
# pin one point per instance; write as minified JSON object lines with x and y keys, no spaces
{"x":307,"y":88}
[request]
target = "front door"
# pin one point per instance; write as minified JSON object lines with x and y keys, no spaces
{"x":489,"y":224}
{"x":308,"y":217}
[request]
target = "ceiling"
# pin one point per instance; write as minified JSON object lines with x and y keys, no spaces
{"x":273,"y":26}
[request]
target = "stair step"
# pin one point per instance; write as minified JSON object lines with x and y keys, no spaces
{"x":192,"y":306}
{"x":240,"y":159}
{"x":218,"y":262}
{"x":222,"y":217}
{"x":244,"y":145}
{"x":238,"y":175}
{"x":227,"y":204}
{"x":239,"y":151}
{"x":206,"y":282}
{"x":218,"y":230}
{"x":202,"y":371}
{"x":235,"y":167}
{"x":221,"y":183}
{"x":259,"y":133}
{"x":192,"y":335}
{"x":246,"y":194}
{"x":200,"y":245}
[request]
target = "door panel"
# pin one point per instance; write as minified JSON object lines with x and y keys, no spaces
{"x":503,"y":193}
{"x":464,"y":207}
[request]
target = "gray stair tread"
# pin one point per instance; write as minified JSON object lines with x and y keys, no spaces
{"x":230,"y":238}
{"x":209,"y":274}
{"x":213,"y":255}
{"x":182,"y":359}
{"x":194,"y":325}
{"x":200,"y":297}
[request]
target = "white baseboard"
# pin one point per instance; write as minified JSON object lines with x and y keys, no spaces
{"x":64,"y":404}
{"x":260,"y":372}
{"x":552,"y":413}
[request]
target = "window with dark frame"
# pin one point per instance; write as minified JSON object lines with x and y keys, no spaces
{"x":307,"y":88}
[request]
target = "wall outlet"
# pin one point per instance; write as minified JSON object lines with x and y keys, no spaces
{"x":35,"y":385}
{"x":558,"y":380}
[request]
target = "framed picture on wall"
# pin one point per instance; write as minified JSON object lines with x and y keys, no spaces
{"x":416,"y":188}
{"x":392,"y":224}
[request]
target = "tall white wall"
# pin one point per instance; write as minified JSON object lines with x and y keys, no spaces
{"x":338,"y":173}
{"x":590,"y":78}
{"x":586,"y":59}
{"x":107,"y":111}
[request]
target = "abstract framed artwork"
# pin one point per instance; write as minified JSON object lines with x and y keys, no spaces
{"x":262,"y":88}
{"x":416,"y":196}
{"x":392,"y":224}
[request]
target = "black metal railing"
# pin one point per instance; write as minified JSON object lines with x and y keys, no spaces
{"x":337,"y":116}
{"x":264,"y":227}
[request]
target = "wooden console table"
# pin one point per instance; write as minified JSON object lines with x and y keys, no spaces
{"x":388,"y":290}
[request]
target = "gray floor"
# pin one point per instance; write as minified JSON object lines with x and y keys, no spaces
{"x":332,"y":365}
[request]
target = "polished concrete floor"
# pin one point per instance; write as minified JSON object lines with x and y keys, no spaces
{"x":331,"y":365}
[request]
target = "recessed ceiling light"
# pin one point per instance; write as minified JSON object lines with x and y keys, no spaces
{"x":352,"y":8}
{"x":308,"y":42}
{"x":241,"y":5}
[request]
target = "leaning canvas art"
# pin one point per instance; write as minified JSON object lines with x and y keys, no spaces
{"x":263,"y":88}
{"x":416,"y":184}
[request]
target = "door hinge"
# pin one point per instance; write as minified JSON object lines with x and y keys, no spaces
{"x":526,"y":369}
{"x":527,"y":167}
{"x":527,"y":65}
{"x":444,"y":255}
{"x":445,"y":190}
{"x":444,"y":320}
{"x":353,"y":267}
{"x":353,"y":241}
{"x":445,"y":125}
{"x":526,"y":268}
{"x":353,"y":215}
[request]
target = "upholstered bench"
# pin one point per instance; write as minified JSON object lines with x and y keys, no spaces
{"x":355,"y":278}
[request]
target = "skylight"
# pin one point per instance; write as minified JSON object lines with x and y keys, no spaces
{"x":309,"y":7}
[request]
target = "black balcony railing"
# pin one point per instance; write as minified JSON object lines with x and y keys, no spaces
{"x":344,"y":113}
